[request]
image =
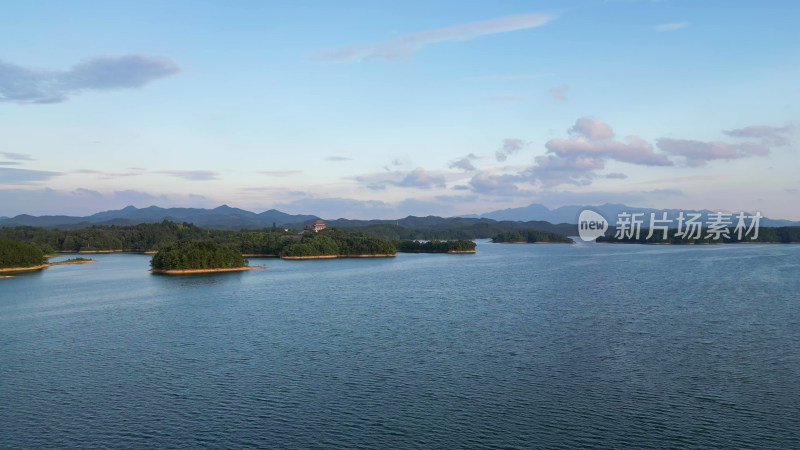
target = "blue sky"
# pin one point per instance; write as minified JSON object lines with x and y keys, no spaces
{"x":380,"y":110}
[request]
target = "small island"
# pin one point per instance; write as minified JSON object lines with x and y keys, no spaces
{"x":531,"y":236}
{"x":197,"y":256}
{"x":435,"y":246}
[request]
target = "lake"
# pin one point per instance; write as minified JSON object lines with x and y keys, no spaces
{"x":517,"y":346}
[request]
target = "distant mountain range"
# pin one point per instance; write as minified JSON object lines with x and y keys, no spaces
{"x":223,"y":217}
{"x":569,"y":214}
{"x":227,"y":218}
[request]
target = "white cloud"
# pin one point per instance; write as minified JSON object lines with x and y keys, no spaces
{"x":698,"y":153}
{"x":32,"y":86}
{"x":405,"y":45}
{"x":464,"y":163}
{"x":17,"y":156}
{"x":510,"y":146}
{"x":193,"y":175}
{"x":773,"y":135}
{"x":591,"y":128}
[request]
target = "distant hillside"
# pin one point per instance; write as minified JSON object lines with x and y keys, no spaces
{"x":223,"y":217}
{"x":433,"y":227}
{"x":569,"y":214}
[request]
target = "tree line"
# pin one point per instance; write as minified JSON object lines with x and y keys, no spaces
{"x":338,"y":242}
{"x":530,"y":236}
{"x":152,"y":237}
{"x":19,"y":254}
{"x":435,"y":246}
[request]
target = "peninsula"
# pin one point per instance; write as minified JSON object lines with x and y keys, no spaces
{"x":23,"y":257}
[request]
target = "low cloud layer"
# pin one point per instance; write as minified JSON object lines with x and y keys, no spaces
{"x":422,"y":179}
{"x":464,"y":163}
{"x":109,"y":175}
{"x":192,"y":175}
{"x":580,"y":158}
{"x":405,"y":45}
{"x":35,"y":86}
{"x":11,"y":176}
{"x":418,"y":178}
{"x":81,"y":201}
{"x":336,"y":158}
{"x":698,"y":153}
{"x":576,"y":160}
{"x":17,"y":156}
{"x":280,"y":173}
{"x":591,"y":128}
{"x":770,"y":135}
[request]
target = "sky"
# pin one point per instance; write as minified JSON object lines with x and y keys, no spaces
{"x":374,"y":109}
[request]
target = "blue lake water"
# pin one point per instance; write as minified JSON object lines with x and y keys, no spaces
{"x":517,"y":346}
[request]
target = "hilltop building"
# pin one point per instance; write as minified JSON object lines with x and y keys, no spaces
{"x":316,"y":226}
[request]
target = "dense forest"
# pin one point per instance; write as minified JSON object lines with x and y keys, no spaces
{"x":153,"y":236}
{"x":19,"y":254}
{"x":531,"y":236}
{"x":190,"y":254}
{"x":447,"y":229}
{"x":773,"y":235}
{"x":460,"y":245}
{"x":338,"y":242}
{"x":147,"y":237}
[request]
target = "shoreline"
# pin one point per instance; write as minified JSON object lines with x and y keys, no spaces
{"x":62,"y":263}
{"x":191,"y":271}
{"x":42,"y":266}
{"x":378,"y":255}
{"x":259,"y":255}
{"x":537,"y":242}
{"x":695,"y":243}
{"x":90,"y":251}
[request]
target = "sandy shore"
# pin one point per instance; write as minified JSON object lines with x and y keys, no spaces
{"x":463,"y":251}
{"x":190,"y":271}
{"x":42,"y":266}
{"x":539,"y":242}
{"x":61,"y":263}
{"x":91,"y":251}
{"x":380,"y":255}
{"x":24,"y":269}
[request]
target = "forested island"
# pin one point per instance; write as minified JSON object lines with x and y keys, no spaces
{"x":192,"y":256}
{"x":530,"y":236}
{"x":777,"y":235}
{"x":435,"y":246}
